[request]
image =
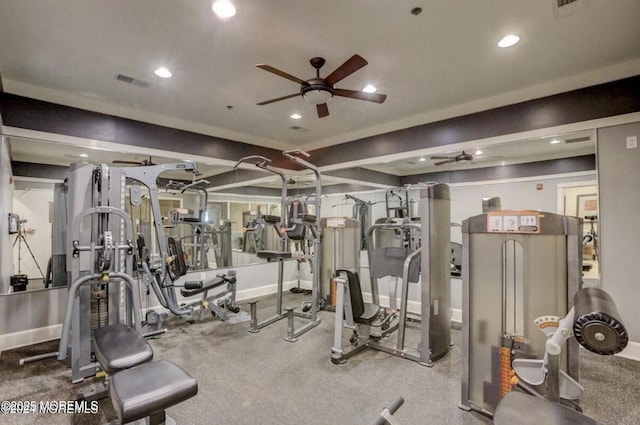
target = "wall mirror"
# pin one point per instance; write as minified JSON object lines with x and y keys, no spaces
{"x":230,"y":210}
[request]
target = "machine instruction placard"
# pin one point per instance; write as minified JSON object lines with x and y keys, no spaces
{"x":524,"y":221}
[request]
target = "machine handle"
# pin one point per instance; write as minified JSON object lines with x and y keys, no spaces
{"x":554,"y":343}
{"x":193,"y":285}
{"x":395,"y":404}
{"x":390,"y":410}
{"x":292,"y":152}
{"x":255,"y":158}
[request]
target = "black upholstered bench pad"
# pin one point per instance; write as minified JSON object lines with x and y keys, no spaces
{"x":218,"y":281}
{"x":119,"y":347}
{"x":273,"y":254}
{"x":148,"y":388}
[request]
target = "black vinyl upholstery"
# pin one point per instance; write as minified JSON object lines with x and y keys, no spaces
{"x":119,"y":347}
{"x":364,"y":313}
{"x":148,"y":388}
{"x":269,"y":255}
{"x":214,"y":283}
{"x":271,"y":219}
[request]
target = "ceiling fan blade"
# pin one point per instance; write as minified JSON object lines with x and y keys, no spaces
{"x":352,"y":64}
{"x":448,"y":161}
{"x":323,"y":110}
{"x":360,"y":95}
{"x":280,"y":73}
{"x":266,"y":102}
{"x":443,"y":157}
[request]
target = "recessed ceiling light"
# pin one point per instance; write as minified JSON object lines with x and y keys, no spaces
{"x":422,"y":159}
{"x":163,"y":72}
{"x":369,"y":88}
{"x":224,"y":8}
{"x":508,"y":40}
{"x":83,"y":155}
{"x":295,"y":116}
{"x":478,"y":152}
{"x":555,"y":141}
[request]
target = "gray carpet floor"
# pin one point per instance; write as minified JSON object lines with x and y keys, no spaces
{"x":247,"y":379}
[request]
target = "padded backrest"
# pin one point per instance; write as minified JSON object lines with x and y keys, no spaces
{"x":355,"y":291}
{"x":389,"y":261}
{"x":296,"y":210}
{"x":178,"y":266}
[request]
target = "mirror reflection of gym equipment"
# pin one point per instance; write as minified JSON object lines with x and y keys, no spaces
{"x":304,"y":230}
{"x":20,"y":281}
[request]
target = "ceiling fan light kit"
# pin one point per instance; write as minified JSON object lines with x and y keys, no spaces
{"x":318,"y":91}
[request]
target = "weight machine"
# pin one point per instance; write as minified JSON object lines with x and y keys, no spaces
{"x":517,"y":266}
{"x":595,"y":323}
{"x":361,"y":213}
{"x":296,"y":225}
{"x":427,"y":261}
{"x":204,"y":235}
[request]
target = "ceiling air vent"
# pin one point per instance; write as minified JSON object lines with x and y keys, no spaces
{"x":578,"y":139}
{"x":132,"y":81}
{"x":298,"y":128}
{"x":563,"y":8}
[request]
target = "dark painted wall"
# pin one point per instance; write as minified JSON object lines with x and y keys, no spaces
{"x":23,"y":112}
{"x":603,"y":100}
{"x":527,"y":169}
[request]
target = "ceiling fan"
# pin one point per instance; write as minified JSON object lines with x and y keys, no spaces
{"x":461,"y":158}
{"x":319,"y":91}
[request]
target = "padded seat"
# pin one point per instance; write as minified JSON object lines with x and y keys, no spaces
{"x":308,"y":218}
{"x":214,"y":283}
{"x":523,"y":409}
{"x":271,"y":219}
{"x":150,"y":388}
{"x":119,"y":347}
{"x":371,"y":312}
{"x":270,"y":255}
{"x":363,"y":312}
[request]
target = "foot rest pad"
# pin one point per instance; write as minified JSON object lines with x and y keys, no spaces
{"x":206,"y":286}
{"x":119,"y":347}
{"x":142,"y":390}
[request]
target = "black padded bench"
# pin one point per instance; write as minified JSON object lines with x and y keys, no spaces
{"x":118,"y":347}
{"x":274,"y":255}
{"x":138,"y":387}
{"x":148,"y":389}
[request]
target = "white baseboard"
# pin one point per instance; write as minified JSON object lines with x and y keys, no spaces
{"x":414,"y":307}
{"x":29,"y":337}
{"x":456,"y":317}
{"x":631,"y":352}
{"x":247,"y":294}
{"x":49,"y":333}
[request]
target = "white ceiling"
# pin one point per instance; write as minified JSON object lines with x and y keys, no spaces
{"x":441,"y":63}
